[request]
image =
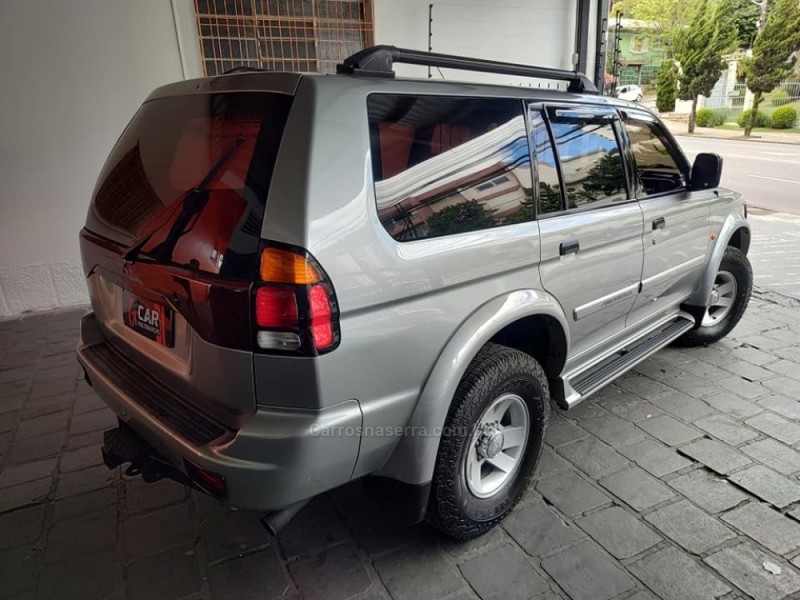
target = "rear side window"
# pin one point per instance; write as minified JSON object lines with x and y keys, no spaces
{"x":445,"y":165}
{"x":590,"y":158}
{"x":657,"y":171}
{"x":188,"y":180}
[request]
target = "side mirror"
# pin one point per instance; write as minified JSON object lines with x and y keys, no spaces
{"x":706,"y":171}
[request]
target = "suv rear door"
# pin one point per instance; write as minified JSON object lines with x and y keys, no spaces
{"x":590,"y":226}
{"x":676,"y":219}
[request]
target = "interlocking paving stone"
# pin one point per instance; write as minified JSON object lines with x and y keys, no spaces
{"x":146,"y":578}
{"x":655,"y":457}
{"x":787,"y":407}
{"x":586,"y":573}
{"x":748,"y":370}
{"x":141,"y":496}
{"x":669,"y":430}
{"x":26,"y":472}
{"x":21,"y":527}
{"x":320,"y":526}
{"x":675,"y":576}
{"x":681,"y":405}
{"x":166,"y":527}
{"x":35,"y":448}
{"x":503,"y":574}
{"x":774,"y":454}
{"x":93,"y":421}
{"x":24,"y":494}
{"x":258,"y":575}
{"x":619,"y":532}
{"x":783,"y":385}
{"x":77,"y":506}
{"x":613,"y":430}
{"x":75,"y":460}
{"x":789,"y":368}
{"x":694,"y":387}
{"x":593,"y":457}
{"x":777,"y":427}
{"x":70,"y":484}
{"x":37,"y":426}
{"x":690,"y":527}
{"x":708,"y":490}
{"x":46,"y":406}
{"x":743,"y":566}
{"x":560,"y":431}
{"x":86,"y":577}
{"x":715,"y":455}
{"x":233,"y":534}
{"x":415,"y":572}
{"x":766,"y":526}
{"x":549,"y":534}
{"x":571,"y":494}
{"x":19,"y":573}
{"x":726,"y":429}
{"x":768,"y":485}
{"x":751,"y":355}
{"x":91,"y":534}
{"x":733,"y":405}
{"x":630,"y":407}
{"x":638,"y":489}
{"x":551,"y":463}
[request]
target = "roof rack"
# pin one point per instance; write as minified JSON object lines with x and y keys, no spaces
{"x":377,"y":61}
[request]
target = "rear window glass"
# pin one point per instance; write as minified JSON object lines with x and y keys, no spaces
{"x":188,"y":180}
{"x":446,"y":165}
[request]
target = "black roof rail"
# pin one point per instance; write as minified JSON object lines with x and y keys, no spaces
{"x":377,"y":61}
{"x":245,"y":69}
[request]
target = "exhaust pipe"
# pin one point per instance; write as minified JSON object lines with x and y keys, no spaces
{"x":275,"y":521}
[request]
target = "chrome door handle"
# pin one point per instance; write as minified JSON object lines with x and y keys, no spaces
{"x":659,"y":223}
{"x":569,"y":247}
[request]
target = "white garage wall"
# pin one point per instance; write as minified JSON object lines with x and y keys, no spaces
{"x":74,"y":72}
{"x":539,"y":32}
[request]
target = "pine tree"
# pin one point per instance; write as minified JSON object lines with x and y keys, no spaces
{"x":699,"y":50}
{"x":773,"y":51}
{"x":666,"y":86}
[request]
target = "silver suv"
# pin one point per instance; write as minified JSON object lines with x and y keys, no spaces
{"x":300,"y":280}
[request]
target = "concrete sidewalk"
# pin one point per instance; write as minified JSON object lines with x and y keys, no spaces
{"x":681,"y":128}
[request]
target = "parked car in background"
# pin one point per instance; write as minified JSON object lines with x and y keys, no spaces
{"x":631,"y":93}
{"x":302,"y":280}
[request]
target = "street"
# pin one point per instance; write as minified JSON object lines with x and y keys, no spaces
{"x":767,"y":174}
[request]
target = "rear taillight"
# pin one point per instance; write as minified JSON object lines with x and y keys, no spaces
{"x":295,"y":306}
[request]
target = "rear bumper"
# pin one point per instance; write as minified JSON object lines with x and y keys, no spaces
{"x":276,"y":458}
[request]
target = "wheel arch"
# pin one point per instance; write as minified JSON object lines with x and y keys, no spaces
{"x":735,"y":232}
{"x":508,"y":318}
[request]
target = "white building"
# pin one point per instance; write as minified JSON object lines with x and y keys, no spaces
{"x":75,"y":71}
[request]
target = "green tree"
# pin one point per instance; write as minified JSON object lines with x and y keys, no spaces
{"x":470,"y":215}
{"x":671,"y":17}
{"x":773,"y":51}
{"x":666,"y":86}
{"x":746,"y":15}
{"x":699,"y":50}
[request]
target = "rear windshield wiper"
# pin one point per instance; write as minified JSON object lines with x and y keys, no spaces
{"x":192,"y":204}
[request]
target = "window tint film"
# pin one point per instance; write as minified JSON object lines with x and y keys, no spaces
{"x":656,"y":169}
{"x":550,"y":199}
{"x":445,"y":165}
{"x":591,"y":163}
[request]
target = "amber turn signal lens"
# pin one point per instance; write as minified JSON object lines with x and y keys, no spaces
{"x":282,"y":266}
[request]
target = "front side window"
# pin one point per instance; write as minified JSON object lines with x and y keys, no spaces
{"x":657,"y":171}
{"x":445,"y":165}
{"x":590,"y":158}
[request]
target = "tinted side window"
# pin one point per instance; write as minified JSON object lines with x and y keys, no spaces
{"x":656,"y":168}
{"x":590,"y":159}
{"x":448,"y":165}
{"x":550,"y":199}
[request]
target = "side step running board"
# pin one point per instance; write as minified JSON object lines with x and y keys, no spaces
{"x":605,"y":372}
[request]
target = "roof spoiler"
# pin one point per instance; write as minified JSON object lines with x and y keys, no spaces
{"x":377,"y":61}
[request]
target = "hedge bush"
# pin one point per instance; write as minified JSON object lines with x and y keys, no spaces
{"x":762,"y":119}
{"x":784,"y":117}
{"x":779,"y":98}
{"x":707,"y":117}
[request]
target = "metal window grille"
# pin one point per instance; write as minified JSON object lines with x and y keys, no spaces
{"x":282,"y":35}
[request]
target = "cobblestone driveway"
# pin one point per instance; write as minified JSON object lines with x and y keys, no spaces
{"x":680,"y":481}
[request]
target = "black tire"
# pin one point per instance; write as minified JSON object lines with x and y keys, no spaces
{"x":495,"y":371}
{"x":735,"y":262}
